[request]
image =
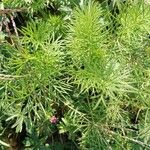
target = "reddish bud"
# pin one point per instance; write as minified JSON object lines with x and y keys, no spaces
{"x":53,"y":120}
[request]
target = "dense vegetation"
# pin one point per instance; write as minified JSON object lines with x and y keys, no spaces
{"x":75,"y":75}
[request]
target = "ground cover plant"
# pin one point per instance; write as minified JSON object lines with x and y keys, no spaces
{"x":75,"y":75}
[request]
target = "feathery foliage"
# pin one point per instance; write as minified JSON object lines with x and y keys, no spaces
{"x":77,"y":75}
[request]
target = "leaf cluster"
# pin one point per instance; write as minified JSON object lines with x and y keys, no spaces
{"x":91,"y":71}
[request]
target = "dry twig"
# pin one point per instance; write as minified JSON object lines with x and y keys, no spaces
{"x":9,"y":11}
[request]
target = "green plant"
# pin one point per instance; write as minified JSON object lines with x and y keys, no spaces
{"x":86,"y":64}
